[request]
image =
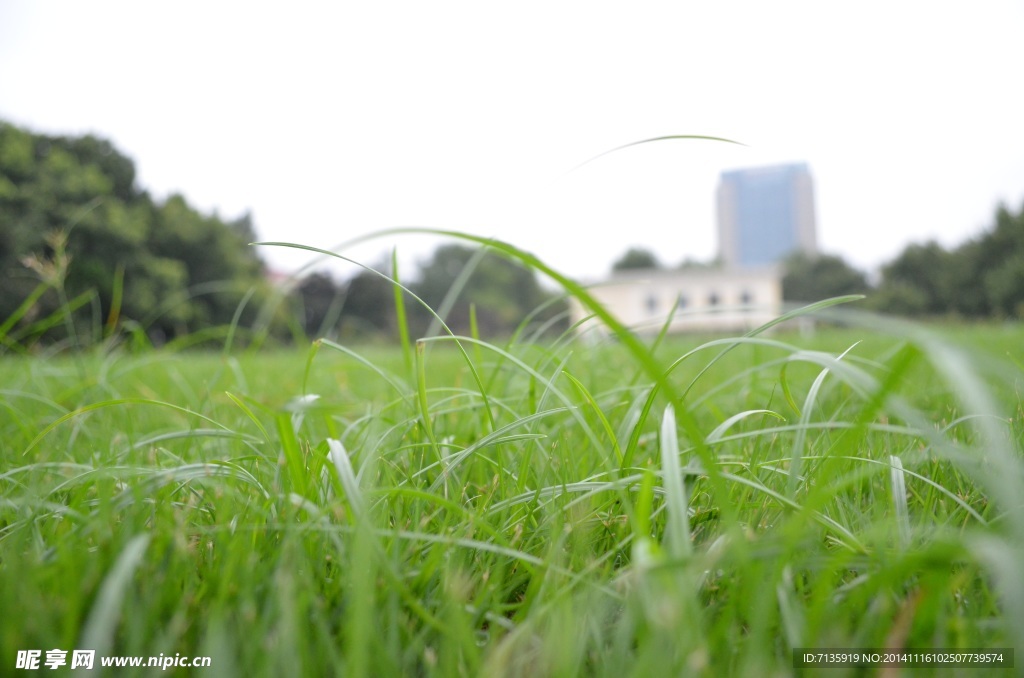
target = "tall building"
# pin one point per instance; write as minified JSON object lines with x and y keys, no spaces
{"x":765,"y":214}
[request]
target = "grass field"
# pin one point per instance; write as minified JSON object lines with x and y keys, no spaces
{"x":698,"y":507}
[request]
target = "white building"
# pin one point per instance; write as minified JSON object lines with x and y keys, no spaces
{"x":709,"y":299}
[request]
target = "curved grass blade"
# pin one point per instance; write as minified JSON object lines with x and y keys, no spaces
{"x":720,"y":430}
{"x":101,"y":624}
{"x":401,"y":318}
{"x":899,"y":500}
{"x":605,"y":424}
{"x":403,"y":288}
{"x":677,"y":529}
{"x":249,"y":413}
{"x":670,"y":137}
{"x":110,"y":403}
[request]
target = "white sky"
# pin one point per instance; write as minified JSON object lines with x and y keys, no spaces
{"x":331,"y":120}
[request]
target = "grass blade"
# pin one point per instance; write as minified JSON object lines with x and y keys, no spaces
{"x":101,"y":624}
{"x":401,"y":319}
{"x":677,"y":528}
{"x":899,"y":500}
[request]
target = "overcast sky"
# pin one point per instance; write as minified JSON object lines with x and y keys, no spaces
{"x":332,"y":120}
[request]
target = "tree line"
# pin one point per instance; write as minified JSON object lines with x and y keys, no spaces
{"x":81,"y":244}
{"x":980,"y":278}
{"x":472,"y":290}
{"x":85,"y":252}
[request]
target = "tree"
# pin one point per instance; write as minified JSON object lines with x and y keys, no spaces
{"x":502,"y":292}
{"x":83,"y":187}
{"x":983,"y":277}
{"x":369,"y":307}
{"x":813,"y":278}
{"x":1004,"y":287}
{"x":321,"y":300}
{"x":921,"y":279}
{"x":165,"y":264}
{"x":220,"y":267}
{"x":991,"y":281}
{"x":636,"y":258}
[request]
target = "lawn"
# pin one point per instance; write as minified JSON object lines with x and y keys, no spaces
{"x":633,"y":507}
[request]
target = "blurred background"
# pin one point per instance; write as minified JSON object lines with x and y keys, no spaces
{"x":318,"y":123}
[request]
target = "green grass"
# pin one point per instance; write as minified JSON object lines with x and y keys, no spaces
{"x":558,"y":508}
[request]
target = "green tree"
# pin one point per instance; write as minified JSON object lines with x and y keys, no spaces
{"x":166,"y":263}
{"x":813,"y":278}
{"x":369,"y":307}
{"x":360,"y":307}
{"x":992,"y":266}
{"x":1004,"y":287}
{"x":220,"y":266}
{"x":321,"y":300}
{"x":78,"y":185}
{"x":502,"y":292}
{"x":920,"y":281}
{"x":636,"y":258}
{"x":981,"y":278}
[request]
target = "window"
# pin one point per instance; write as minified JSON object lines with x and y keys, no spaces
{"x":746,"y":298}
{"x":652,"y":304}
{"x":713,"y":299}
{"x":682,"y":302}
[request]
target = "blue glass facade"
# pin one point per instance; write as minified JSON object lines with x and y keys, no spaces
{"x":765,"y":214}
